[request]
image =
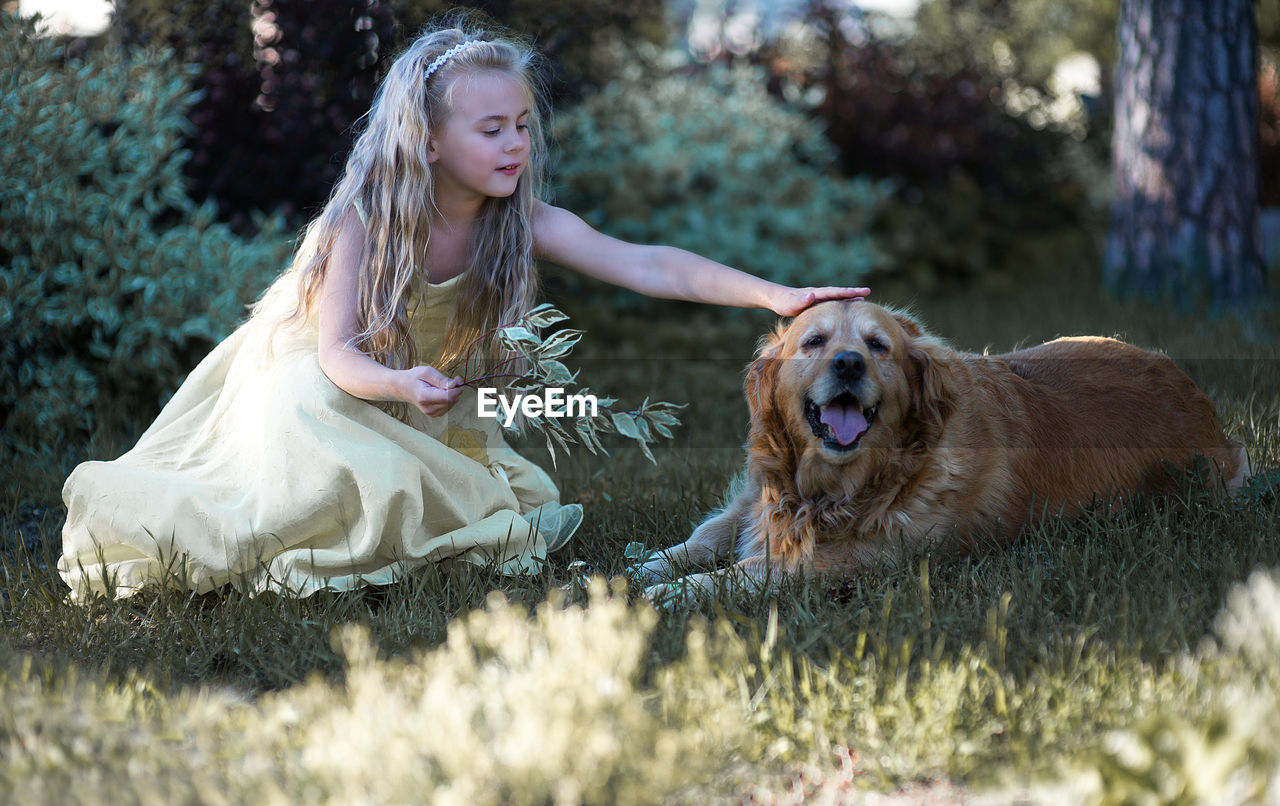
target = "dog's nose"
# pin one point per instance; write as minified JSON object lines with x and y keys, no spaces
{"x":848,"y":366}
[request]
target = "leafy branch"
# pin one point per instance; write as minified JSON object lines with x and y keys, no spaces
{"x":534,"y":364}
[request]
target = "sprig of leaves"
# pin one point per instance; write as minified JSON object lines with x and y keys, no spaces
{"x":534,"y":364}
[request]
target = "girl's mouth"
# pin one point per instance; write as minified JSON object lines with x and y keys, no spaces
{"x":510,"y":170}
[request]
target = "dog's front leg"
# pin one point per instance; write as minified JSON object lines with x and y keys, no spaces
{"x":755,"y":575}
{"x":711,"y":542}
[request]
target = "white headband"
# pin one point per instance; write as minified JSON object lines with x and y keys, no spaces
{"x":449,"y":54}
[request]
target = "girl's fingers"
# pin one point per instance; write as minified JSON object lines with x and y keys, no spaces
{"x":842,"y":293}
{"x":433,"y":376}
{"x":434,"y":394}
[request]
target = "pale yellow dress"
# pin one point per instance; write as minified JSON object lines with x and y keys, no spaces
{"x":262,"y":474}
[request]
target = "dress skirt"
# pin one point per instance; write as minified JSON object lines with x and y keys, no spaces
{"x":262,"y":474}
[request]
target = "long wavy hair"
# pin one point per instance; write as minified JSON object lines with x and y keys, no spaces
{"x":388,"y":176}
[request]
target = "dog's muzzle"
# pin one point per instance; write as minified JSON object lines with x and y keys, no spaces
{"x":841,"y":421}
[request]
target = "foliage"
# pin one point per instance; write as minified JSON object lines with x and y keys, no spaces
{"x":282,"y":91}
{"x":1022,"y":41}
{"x":708,"y":161}
{"x":578,"y":37}
{"x":112,"y":281}
{"x":1000,"y":173}
{"x":960,"y":231}
{"x":507,"y":711}
{"x":984,"y":182}
{"x":279,"y":92}
{"x":534,"y":365}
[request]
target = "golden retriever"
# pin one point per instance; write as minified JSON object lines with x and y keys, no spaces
{"x":870,"y":439}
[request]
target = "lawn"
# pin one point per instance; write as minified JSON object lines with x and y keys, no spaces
{"x":1130,"y":658}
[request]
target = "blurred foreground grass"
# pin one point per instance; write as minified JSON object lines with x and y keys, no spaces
{"x":1134,"y":659}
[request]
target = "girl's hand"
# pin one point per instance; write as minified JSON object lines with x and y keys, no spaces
{"x":791,"y":301}
{"x":429,"y":390}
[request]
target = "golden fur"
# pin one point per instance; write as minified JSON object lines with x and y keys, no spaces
{"x":955,"y":446}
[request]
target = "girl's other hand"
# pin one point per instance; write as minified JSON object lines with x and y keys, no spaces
{"x":429,"y":390}
{"x":794,"y":300}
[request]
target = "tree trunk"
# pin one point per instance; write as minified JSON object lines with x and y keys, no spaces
{"x":1185,"y":152}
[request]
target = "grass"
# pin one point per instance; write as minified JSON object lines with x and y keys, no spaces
{"x":1118,"y":659}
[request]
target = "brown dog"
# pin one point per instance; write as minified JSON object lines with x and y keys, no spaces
{"x":871,"y":439}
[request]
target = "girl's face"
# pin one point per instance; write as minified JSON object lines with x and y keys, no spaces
{"x":483,"y":146}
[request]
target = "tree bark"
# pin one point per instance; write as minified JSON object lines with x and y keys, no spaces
{"x":1185,"y":152}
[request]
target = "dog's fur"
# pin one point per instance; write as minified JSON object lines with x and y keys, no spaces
{"x":956,"y":445}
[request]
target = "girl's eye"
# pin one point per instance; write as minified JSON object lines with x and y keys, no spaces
{"x":816,"y":340}
{"x":876,"y":346}
{"x":493,"y":132}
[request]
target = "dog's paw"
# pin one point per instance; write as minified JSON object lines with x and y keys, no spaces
{"x":682,"y":592}
{"x":669,"y":595}
{"x":647,"y":565}
{"x":649,"y":573}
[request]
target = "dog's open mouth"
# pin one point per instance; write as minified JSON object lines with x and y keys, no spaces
{"x":840,"y":423}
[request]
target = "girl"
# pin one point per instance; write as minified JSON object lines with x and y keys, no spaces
{"x":310,"y":450}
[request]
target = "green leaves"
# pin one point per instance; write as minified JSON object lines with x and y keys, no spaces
{"x":112,"y":281}
{"x":712,"y":163}
{"x":534,"y":367}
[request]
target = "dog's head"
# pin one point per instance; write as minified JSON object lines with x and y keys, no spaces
{"x":844,"y":380}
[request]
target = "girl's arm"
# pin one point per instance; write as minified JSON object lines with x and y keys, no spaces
{"x":351,"y":370}
{"x":664,"y":271}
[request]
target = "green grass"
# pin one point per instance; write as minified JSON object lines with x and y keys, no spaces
{"x":1105,"y":660}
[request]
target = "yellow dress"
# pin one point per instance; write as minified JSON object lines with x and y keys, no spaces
{"x":261,"y":473}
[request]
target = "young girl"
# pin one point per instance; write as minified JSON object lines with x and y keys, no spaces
{"x":310,"y":450}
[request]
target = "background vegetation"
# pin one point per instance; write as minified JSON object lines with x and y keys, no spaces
{"x":1122,"y":658}
{"x":283,"y":80}
{"x":113,"y":281}
{"x":712,"y":163}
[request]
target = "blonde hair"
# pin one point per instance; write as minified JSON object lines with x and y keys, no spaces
{"x":388,"y":176}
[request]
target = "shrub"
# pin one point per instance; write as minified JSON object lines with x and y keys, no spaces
{"x":112,"y":282}
{"x":985,"y":198}
{"x":277,"y":74}
{"x":711,"y":163}
{"x":512,"y":710}
{"x":279,"y":91}
{"x":991,"y":189}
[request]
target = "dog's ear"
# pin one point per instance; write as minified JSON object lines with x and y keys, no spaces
{"x":762,"y":376}
{"x":909,"y":326}
{"x":930,"y":375}
{"x":769,"y":447}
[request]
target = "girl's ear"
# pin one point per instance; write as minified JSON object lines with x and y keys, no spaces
{"x":433,"y":151}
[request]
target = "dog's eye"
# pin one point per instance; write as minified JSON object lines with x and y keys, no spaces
{"x":816,"y":340}
{"x":875,"y":345}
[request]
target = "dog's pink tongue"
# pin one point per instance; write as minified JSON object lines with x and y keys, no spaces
{"x":846,"y":422}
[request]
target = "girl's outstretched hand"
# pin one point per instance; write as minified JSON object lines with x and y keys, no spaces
{"x":429,"y":390}
{"x":792,"y":301}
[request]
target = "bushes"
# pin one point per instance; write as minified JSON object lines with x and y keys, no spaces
{"x":112,"y":282}
{"x":510,"y":711}
{"x":986,"y":198}
{"x":284,"y":80}
{"x":954,"y":108}
{"x":711,"y":163}
{"x":281,"y":84}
